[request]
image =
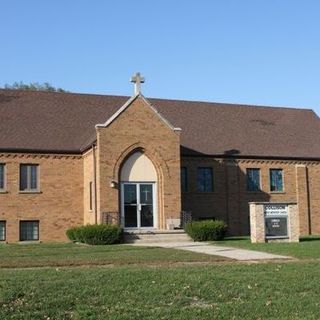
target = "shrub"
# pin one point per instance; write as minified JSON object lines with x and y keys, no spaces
{"x":96,"y":234}
{"x":71,"y":234}
{"x":206,"y":230}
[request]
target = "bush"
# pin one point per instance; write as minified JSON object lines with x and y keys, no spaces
{"x":71,"y":233}
{"x":96,"y":234}
{"x":206,"y":230}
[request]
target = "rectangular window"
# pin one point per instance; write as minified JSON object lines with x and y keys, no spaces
{"x":2,"y":230}
{"x":29,"y":177}
{"x":253,"y":179}
{"x":29,"y":230}
{"x":90,"y":199}
{"x":2,"y":177}
{"x":184,"y":179}
{"x":276,"y":180}
{"x":205,"y":180}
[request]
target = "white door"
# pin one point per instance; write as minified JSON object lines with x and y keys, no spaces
{"x":138,"y":209}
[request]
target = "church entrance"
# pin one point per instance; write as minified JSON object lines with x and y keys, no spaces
{"x":138,"y":193}
{"x":138,"y":205}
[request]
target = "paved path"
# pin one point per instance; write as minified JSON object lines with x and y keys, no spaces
{"x":203,"y":247}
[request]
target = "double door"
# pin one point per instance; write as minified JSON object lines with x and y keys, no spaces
{"x":138,"y":205}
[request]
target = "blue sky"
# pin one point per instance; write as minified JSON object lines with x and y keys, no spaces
{"x":249,"y":51}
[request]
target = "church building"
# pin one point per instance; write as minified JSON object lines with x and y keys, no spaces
{"x":69,"y":159}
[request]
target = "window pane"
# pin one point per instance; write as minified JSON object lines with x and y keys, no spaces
{"x":1,"y":176}
{"x":130,"y":194}
{"x":205,"y":180}
{"x":33,"y":177}
{"x":29,"y":230}
{"x":130,"y":216}
{"x":276,"y":180}
{"x":253,"y":179}
{"x":23,"y":177}
{"x":90,"y":195}
{"x":184,"y":179}
{"x":2,"y":230}
{"x":35,"y":230}
{"x":146,"y":215}
{"x":146,"y":194}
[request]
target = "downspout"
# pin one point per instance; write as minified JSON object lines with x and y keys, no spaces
{"x":95,"y":183}
{"x":308,"y":201}
{"x":226,"y":174}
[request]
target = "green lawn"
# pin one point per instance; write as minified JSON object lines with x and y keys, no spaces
{"x":259,"y":291}
{"x":122,"y":282}
{"x":69,"y":254}
{"x":307,"y":248}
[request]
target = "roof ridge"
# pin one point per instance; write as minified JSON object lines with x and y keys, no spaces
{"x":215,"y":103}
{"x":63,"y":93}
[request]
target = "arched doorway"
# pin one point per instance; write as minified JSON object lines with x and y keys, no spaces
{"x":138,"y":179}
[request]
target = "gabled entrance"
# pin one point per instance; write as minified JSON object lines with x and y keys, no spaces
{"x":138,"y":145}
{"x":138,"y":193}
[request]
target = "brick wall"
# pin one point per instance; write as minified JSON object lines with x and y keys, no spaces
{"x":58,"y":205}
{"x":229,"y":200}
{"x":139,"y":128}
{"x":313,"y":174}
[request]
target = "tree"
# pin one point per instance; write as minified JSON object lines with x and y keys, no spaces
{"x":34,"y":86}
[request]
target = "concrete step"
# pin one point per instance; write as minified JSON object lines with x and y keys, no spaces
{"x":156,"y":237}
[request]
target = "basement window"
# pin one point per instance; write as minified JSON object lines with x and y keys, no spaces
{"x":29,"y":230}
{"x":2,"y":230}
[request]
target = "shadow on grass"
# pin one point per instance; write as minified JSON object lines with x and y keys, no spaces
{"x":247,"y":239}
{"x":230,"y":239}
{"x":310,"y":238}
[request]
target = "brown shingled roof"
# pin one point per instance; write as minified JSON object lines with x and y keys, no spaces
{"x":65,"y":122}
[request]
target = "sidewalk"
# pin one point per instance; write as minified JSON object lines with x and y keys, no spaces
{"x":207,"y":248}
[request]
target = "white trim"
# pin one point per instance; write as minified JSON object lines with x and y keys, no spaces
{"x":126,"y":105}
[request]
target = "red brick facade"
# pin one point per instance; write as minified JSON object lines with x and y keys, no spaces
{"x":229,"y":199}
{"x":57,"y":205}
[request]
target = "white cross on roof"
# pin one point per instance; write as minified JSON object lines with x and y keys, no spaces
{"x":137,"y":79}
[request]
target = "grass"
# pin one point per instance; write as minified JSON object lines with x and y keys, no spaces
{"x":307,"y":248}
{"x":122,"y":282}
{"x":69,"y":254}
{"x":261,"y":291}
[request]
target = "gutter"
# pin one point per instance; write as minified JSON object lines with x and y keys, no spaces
{"x":235,"y":157}
{"x":40,"y":151}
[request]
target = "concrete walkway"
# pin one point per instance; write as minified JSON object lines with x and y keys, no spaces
{"x":228,"y":252}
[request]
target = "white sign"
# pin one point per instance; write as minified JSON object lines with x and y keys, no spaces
{"x":274,"y":209}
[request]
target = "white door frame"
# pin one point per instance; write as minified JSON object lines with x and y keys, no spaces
{"x":154,"y":205}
